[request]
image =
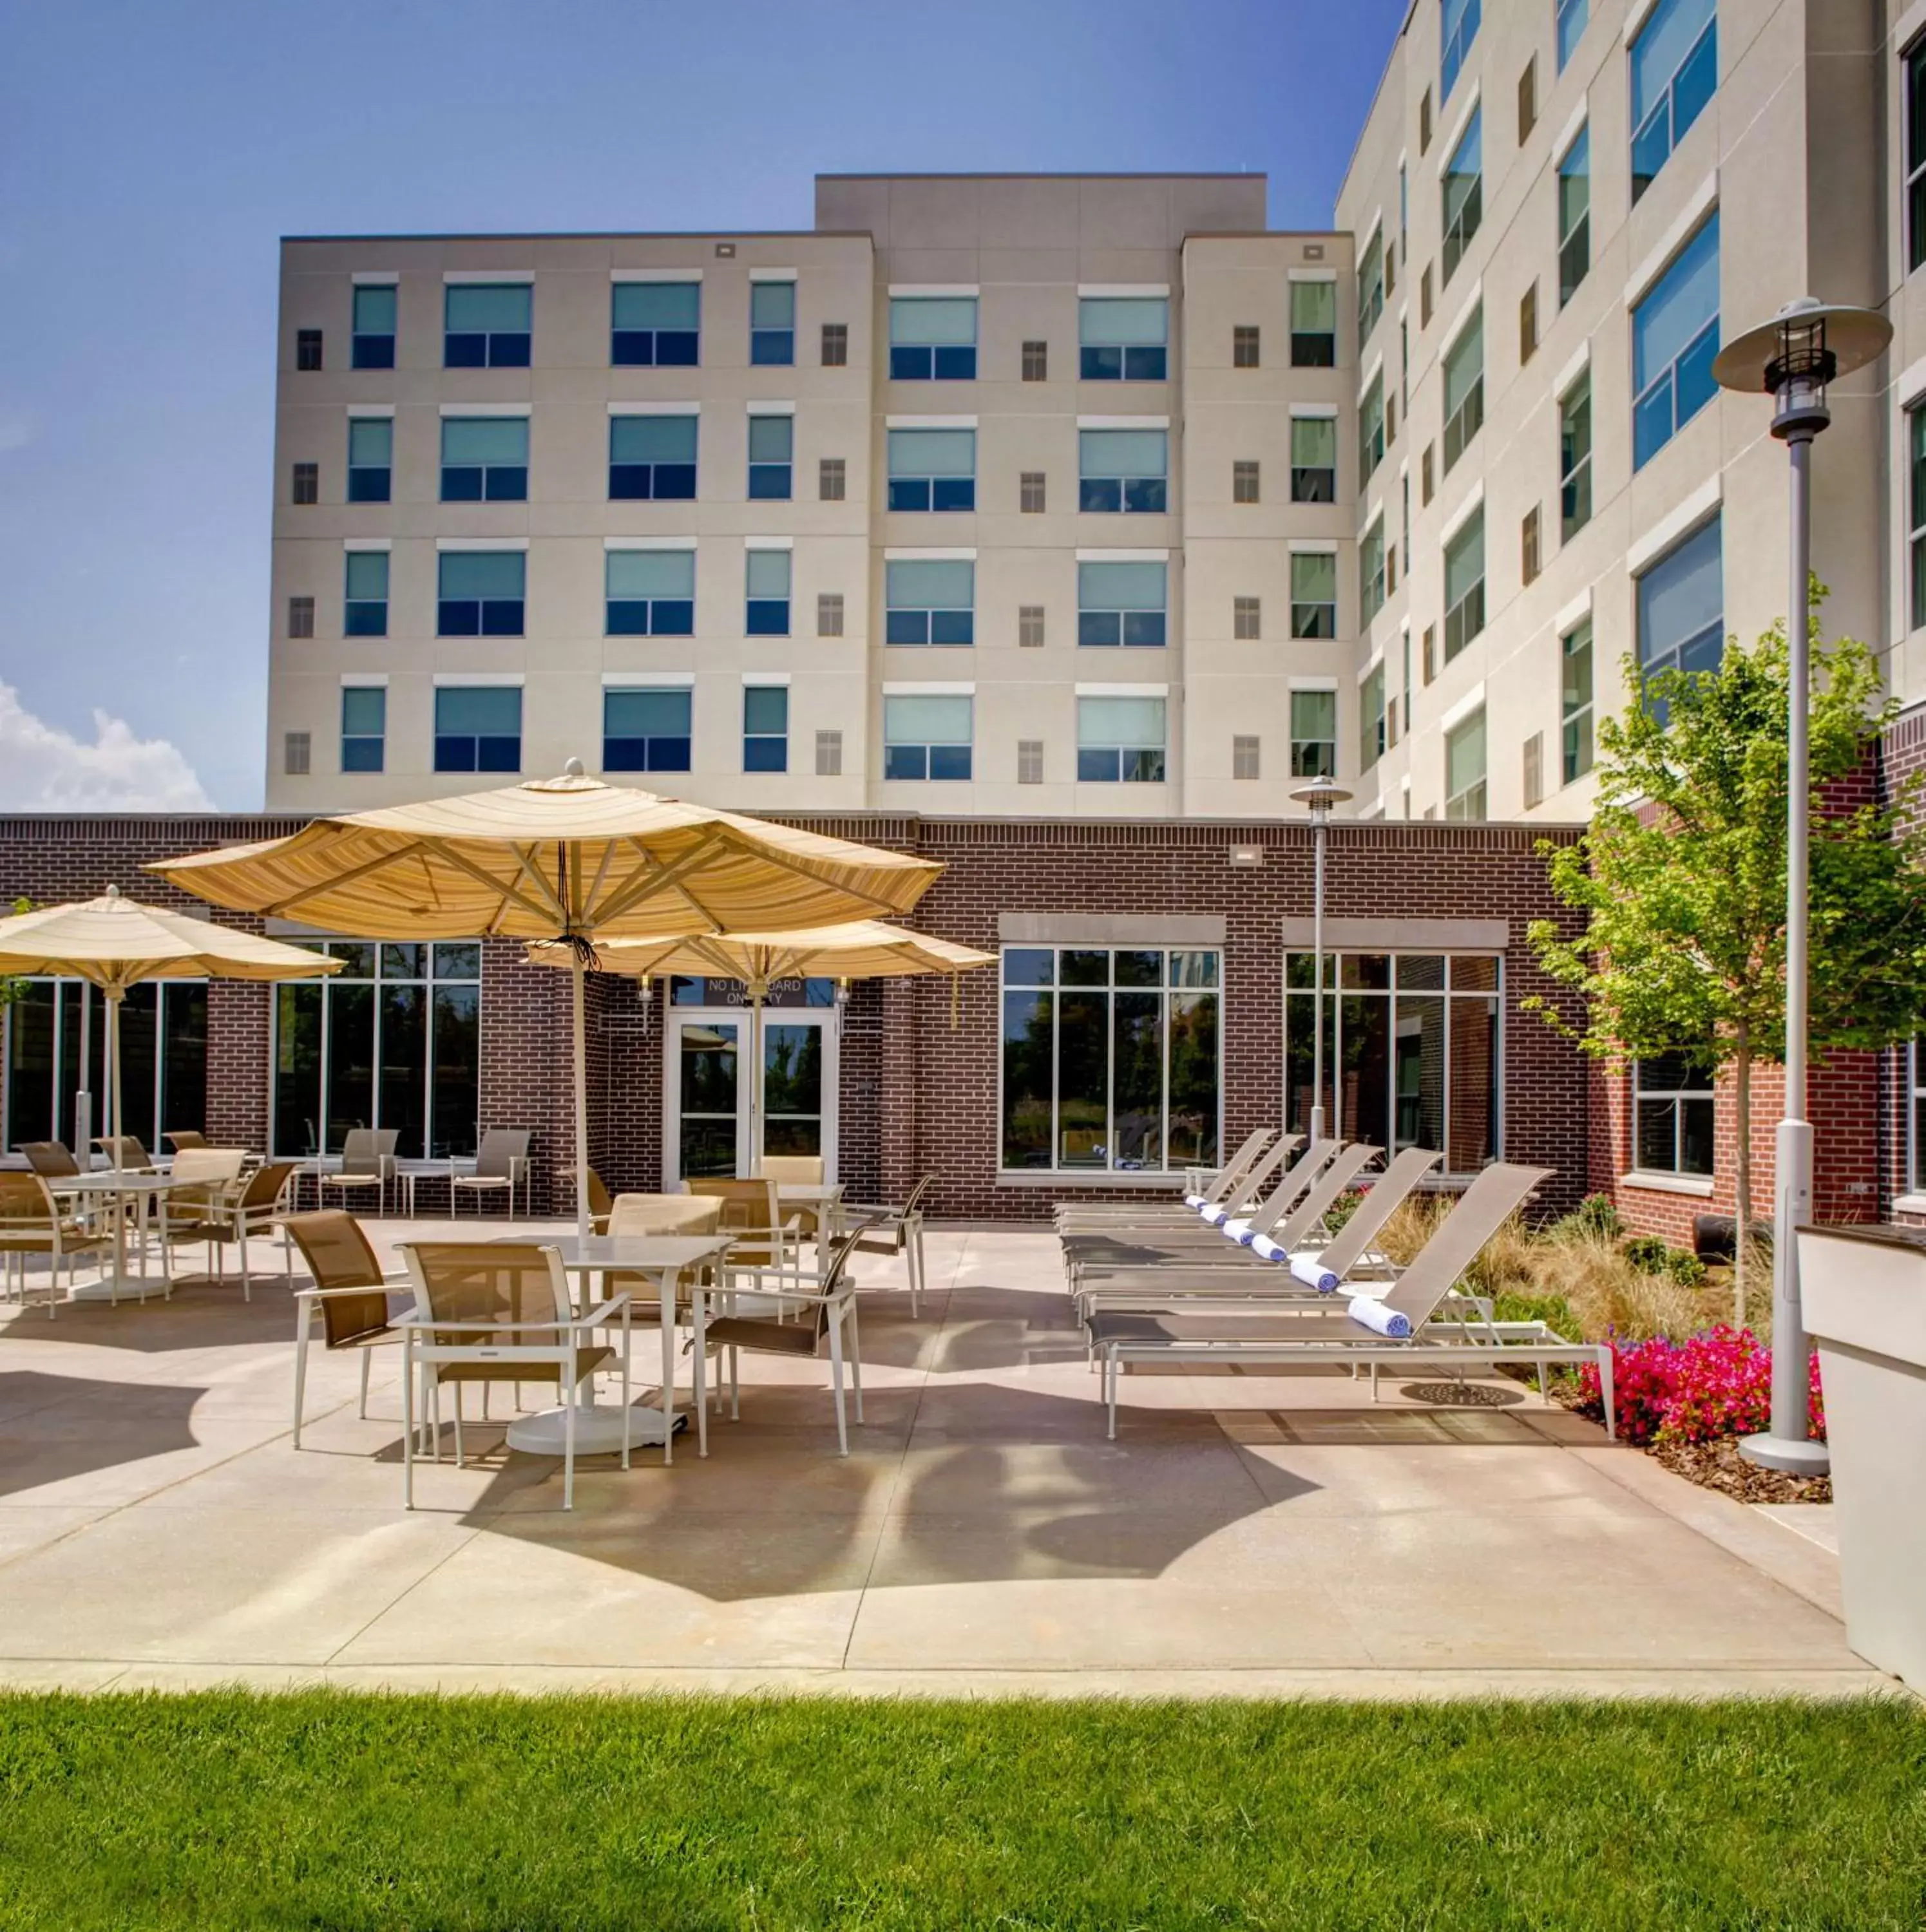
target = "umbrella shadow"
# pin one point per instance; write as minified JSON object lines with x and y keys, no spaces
{"x":53,"y":1428}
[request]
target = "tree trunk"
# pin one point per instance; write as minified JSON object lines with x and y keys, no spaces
{"x":1742,"y":1218}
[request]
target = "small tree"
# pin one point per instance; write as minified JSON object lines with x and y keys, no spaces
{"x":1682,"y":877}
{"x":13,"y":991}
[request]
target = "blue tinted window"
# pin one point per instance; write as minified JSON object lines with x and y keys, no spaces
{"x":930,"y":601}
{"x":487,"y":325}
{"x":1121,"y":603}
{"x":650,"y":593}
{"x":771,"y":447}
{"x":1674,"y":72}
{"x":1457,"y":29}
{"x":657,"y":324}
{"x":484,"y":459}
{"x":765,"y":728}
{"x":1572,"y":15}
{"x":478,"y":728}
{"x":933,"y":469}
{"x":652,"y":458}
{"x":1675,"y":336}
{"x":767,"y":583}
{"x":364,"y":727}
{"x":1123,"y":338}
{"x":480,"y":593}
{"x":1681,"y":606}
{"x":1123,"y":469}
{"x":374,"y":340}
{"x":364,"y":600}
{"x":772,"y":323}
{"x":932,"y":338}
{"x":370,"y":458}
{"x":645,"y":731}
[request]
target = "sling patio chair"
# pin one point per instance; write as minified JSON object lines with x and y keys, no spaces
{"x":52,"y":1160}
{"x":501,"y":1166}
{"x":125,"y":1152}
{"x":181,"y":1139}
{"x":350,"y":1296}
{"x":1240,"y":1172}
{"x":767,"y":1244}
{"x":797,"y":1170}
{"x":898,"y":1230}
{"x":501,"y":1312}
{"x":1102,"y":1217}
{"x":368,"y":1160}
{"x":249,"y":1205}
{"x":31,"y":1225}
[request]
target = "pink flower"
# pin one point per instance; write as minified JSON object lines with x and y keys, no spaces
{"x":1718,"y":1382}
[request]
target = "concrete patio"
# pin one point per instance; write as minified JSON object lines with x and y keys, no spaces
{"x":1245,"y":1535}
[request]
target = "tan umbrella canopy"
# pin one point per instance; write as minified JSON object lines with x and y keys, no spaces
{"x":117,"y":942}
{"x":569,"y":859}
{"x":866,"y":949}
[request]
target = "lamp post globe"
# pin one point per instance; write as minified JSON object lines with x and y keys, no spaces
{"x":1792,"y":357}
{"x":1320,"y":795}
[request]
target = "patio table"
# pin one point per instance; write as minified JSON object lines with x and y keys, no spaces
{"x":142,"y":1189}
{"x":599,"y":1430}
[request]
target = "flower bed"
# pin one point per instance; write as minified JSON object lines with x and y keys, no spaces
{"x":1716,"y":1383}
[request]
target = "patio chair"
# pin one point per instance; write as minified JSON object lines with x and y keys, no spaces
{"x":251,"y":1204}
{"x":599,"y":1203}
{"x":189,"y":1211}
{"x":898,"y":1230}
{"x":52,"y":1160}
{"x":767,"y":1242}
{"x":181,"y":1139}
{"x":797,"y":1170}
{"x":500,"y":1311}
{"x":828,"y":1311}
{"x":501,"y":1164}
{"x":349,"y":1294}
{"x":368,"y":1160}
{"x":125,"y":1152}
{"x":31,"y":1224}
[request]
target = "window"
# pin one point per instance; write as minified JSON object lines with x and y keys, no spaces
{"x":1120,"y":740}
{"x":1916,"y":438}
{"x":306,"y":349}
{"x":1404,"y":647}
{"x":1675,"y":336}
{"x":1412,"y":1050}
{"x":1914,"y":83}
{"x":836,"y":356}
{"x":1029,"y":761}
{"x":772,"y":324}
{"x":1458,"y":28}
{"x":932,"y":338}
{"x":1036,"y":362}
{"x":1464,"y":389}
{"x":1313,"y":734}
{"x":1464,"y":586}
{"x":930,"y":601}
{"x":364,"y":726}
{"x":478,"y":728}
{"x":365,"y":594}
{"x":1245,"y":342}
{"x":649,"y":593}
{"x":1463,"y":191}
{"x":1314,"y":593}
{"x":392,"y":1041}
{"x":1527,"y":324}
{"x":1246,"y":757}
{"x":832,"y":479}
{"x":829,"y":754}
{"x":1527,"y":99}
{"x":766,"y":613}
{"x":1675,"y":69}
{"x":829,"y":614}
{"x":1529,"y":559}
{"x":772,"y":442}
{"x":1112,"y":1059}
{"x":1372,"y":737}
{"x":933,"y":469}
{"x":1575,"y":702}
{"x":1370,"y":430}
{"x":1245,"y":479}
{"x":1370,"y":289}
{"x":1029,"y":626}
{"x":484,"y":459}
{"x":163,"y":1056}
{"x":1574,"y":215}
{"x":927,"y":737}
{"x":1404,"y":368}
{"x":1247,"y":618}
{"x":655,"y":325}
{"x":296,"y":750}
{"x":1313,"y":324}
{"x":1122,"y":338}
{"x":1672,"y":1108}
{"x":1465,"y":768}
{"x":765,"y":724}
{"x":306,"y":485}
{"x":1574,"y":458}
{"x":374,"y":340}
{"x":1424,"y":298}
{"x":1681,"y":606}
{"x":1404,"y":526}
{"x":1427,"y":474}
{"x":652,"y":458}
{"x":1123,"y":469}
{"x":1424,"y":120}
{"x":1371,"y":575}
{"x":1572,"y":17}
{"x":1031,"y":496}
{"x":1430,"y":649}
{"x":1121,"y":603}
{"x":646,"y":730}
{"x":301,"y":617}
{"x":487,"y":325}
{"x":480,"y":593}
{"x":1533,"y":774}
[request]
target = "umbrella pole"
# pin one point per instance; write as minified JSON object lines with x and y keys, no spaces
{"x":756,"y":991}
{"x":582,"y":1103}
{"x":115,"y":995}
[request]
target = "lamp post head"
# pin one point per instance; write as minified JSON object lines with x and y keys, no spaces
{"x":1794,"y":356}
{"x":1321,"y":794}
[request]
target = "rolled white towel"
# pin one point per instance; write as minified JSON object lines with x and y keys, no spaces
{"x":1311,"y":1270}
{"x":1263,"y":1247}
{"x":1379,"y":1319}
{"x":1216,"y":1216}
{"x":1238,"y":1229}
{"x":1195,"y":1200}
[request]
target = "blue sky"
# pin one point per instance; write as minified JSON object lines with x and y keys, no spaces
{"x":151,"y":156}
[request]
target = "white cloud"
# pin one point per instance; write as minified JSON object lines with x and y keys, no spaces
{"x":44,"y":769}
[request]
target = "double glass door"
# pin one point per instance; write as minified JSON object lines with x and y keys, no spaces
{"x":707,"y":1100}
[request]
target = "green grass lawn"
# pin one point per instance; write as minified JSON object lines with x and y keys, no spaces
{"x":330,"y":1810}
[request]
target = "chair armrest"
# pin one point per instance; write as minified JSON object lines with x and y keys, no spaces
{"x":600,"y":1312}
{"x":418,"y":1320}
{"x":386,"y":1282}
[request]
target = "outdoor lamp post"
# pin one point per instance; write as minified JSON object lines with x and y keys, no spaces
{"x":1792,"y":358}
{"x":1321,"y":794}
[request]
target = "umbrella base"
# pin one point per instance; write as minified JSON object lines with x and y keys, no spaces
{"x":127,"y":1288}
{"x":598,"y":1430}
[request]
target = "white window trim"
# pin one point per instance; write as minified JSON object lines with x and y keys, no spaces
{"x":1461,"y":320}
{"x":1577,"y":612}
{"x":1120,"y":556}
{"x":1124,"y":691}
{"x":655,"y":274}
{"x":1574,"y":127}
{"x":928,"y":422}
{"x":367,"y":543}
{"x":768,"y":543}
{"x":487,"y":277}
{"x":928,"y":291}
{"x":510,"y":410}
{"x":493,"y":680}
{"x":1673,"y":529}
{"x":1317,"y":412}
{"x":375,"y":278}
{"x":1689,"y":220}
{"x":650,"y":543}
{"x":1635,"y":17}
{"x":1123,"y":291}
{"x":1473,"y":503}
{"x":1375,"y":662}
{"x":933,"y":690}
{"x":773,"y":275}
{"x":770,"y":680}
{"x":1374,"y":369}
{"x":363,"y":409}
{"x":1911,"y":388}
{"x":1311,"y":546}
{"x":1699,"y":1185}
{"x":1472,"y":700}
{"x":1311,"y":683}
{"x":364,"y":680}
{"x":1449,"y":145}
{"x":655,"y":408}
{"x":1372,"y":234}
{"x":771,"y":408}
{"x":929,"y":556}
{"x":1580,"y":365}
{"x":652,"y":680}
{"x":1123,"y":422}
{"x":481,"y":543}
{"x":1311,"y":274}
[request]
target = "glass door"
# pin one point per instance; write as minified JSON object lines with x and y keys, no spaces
{"x":708,"y":1125}
{"x":707,"y":1113}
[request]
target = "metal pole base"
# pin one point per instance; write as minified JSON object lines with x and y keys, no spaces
{"x":1786,"y":1445}
{"x":1779,"y":1452}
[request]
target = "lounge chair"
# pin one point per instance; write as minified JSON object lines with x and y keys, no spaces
{"x":501,"y":1166}
{"x":501,"y":1312}
{"x":1239,"y":1173}
{"x":368,"y":1160}
{"x":1401,"y":1326}
{"x":349,"y":1294}
{"x":1106,"y":1216}
{"x":1217,"y":1184}
{"x":1350,"y":1247}
{"x":31,"y":1224}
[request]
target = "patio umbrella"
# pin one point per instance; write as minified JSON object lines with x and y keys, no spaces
{"x":117,"y":942}
{"x":866,"y":949}
{"x":570,"y":859}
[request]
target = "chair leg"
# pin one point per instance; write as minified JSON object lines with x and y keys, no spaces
{"x":568,"y":1447}
{"x":407,"y":1428}
{"x":735,"y":1387}
{"x":856,"y":1357}
{"x":457,"y":1425}
{"x":835,"y":1378}
{"x":367,"y":1358}
{"x":300,"y":1373}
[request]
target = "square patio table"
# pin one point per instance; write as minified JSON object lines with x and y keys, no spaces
{"x":143,"y":1189}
